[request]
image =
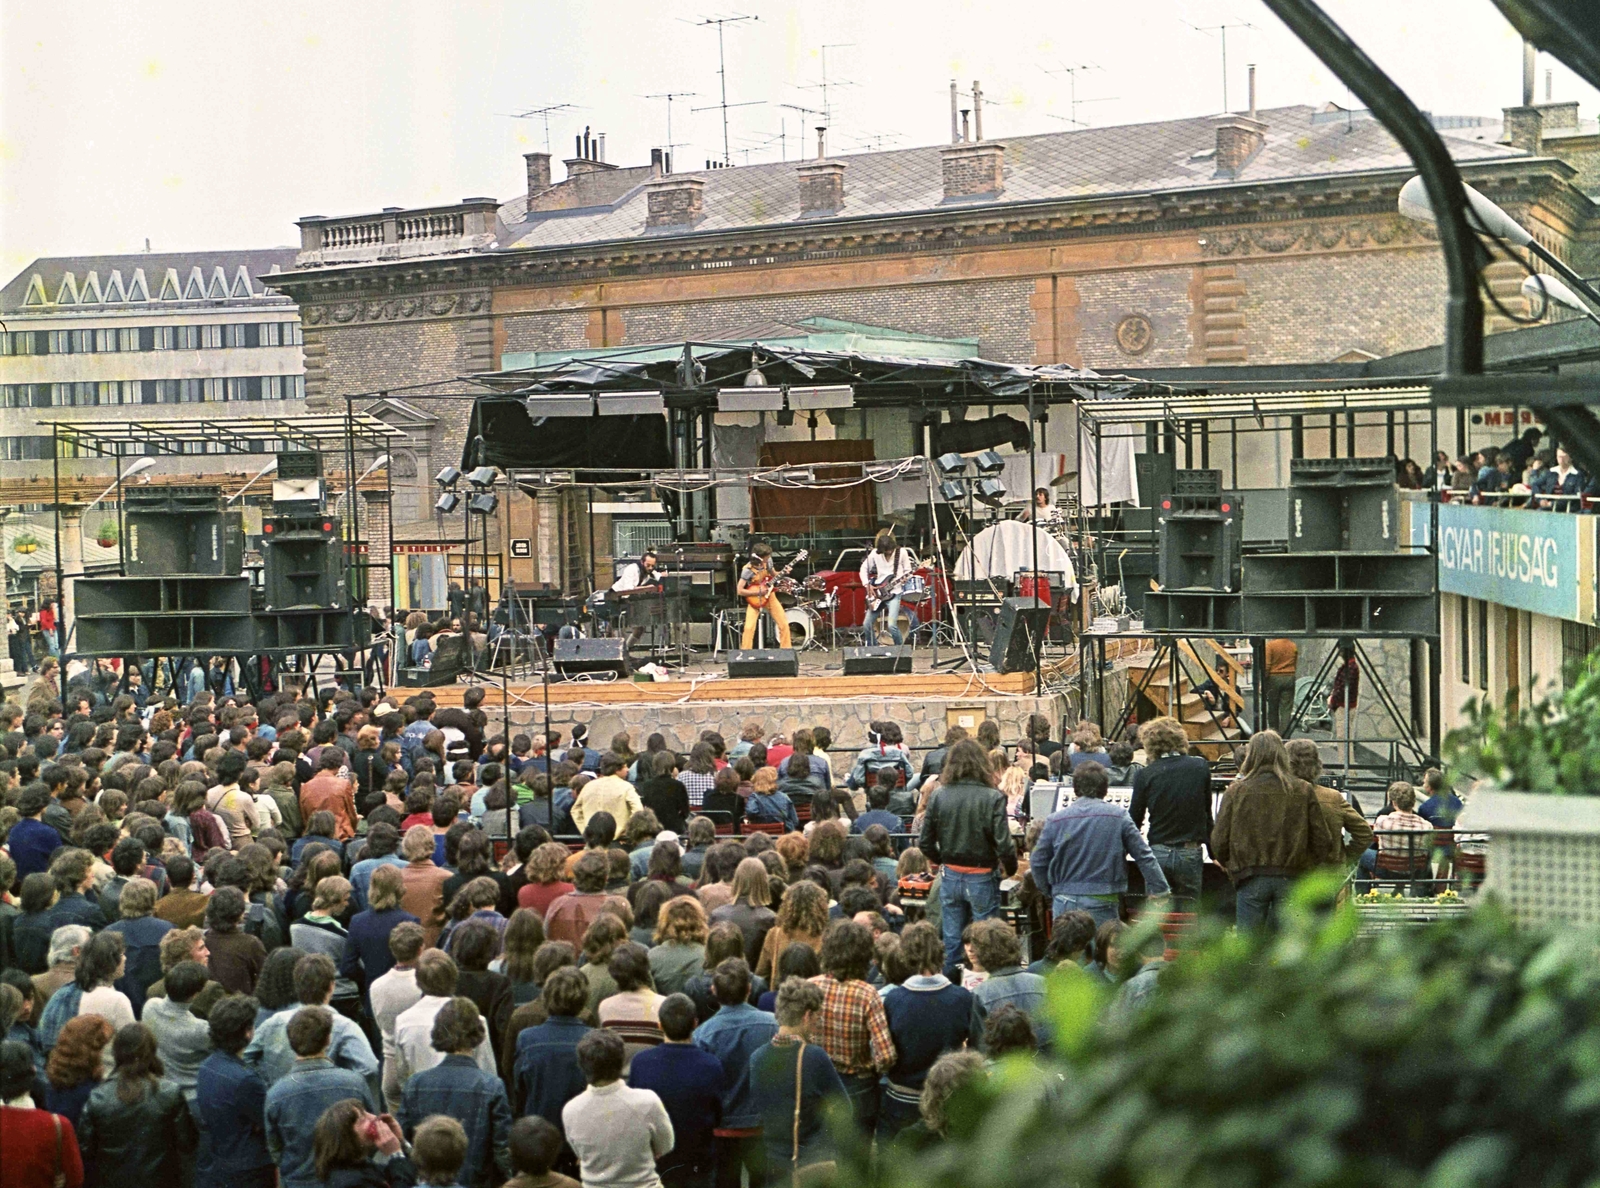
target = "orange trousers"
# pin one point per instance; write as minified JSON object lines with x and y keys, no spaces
{"x":752,"y":616}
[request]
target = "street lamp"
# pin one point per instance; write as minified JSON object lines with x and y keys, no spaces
{"x":1491,"y":220}
{"x":260,"y":474}
{"x":137,"y":466}
{"x":1542,"y":287}
{"x":380,"y":460}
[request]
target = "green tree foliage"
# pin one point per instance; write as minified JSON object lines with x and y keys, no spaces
{"x":1460,"y":1055}
{"x":1552,"y":746}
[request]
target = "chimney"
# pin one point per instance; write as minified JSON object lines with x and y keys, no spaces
{"x":955,"y":128}
{"x":822,"y":133}
{"x":821,"y":188}
{"x":657,"y":166}
{"x":600,"y":148}
{"x":1239,"y":138}
{"x":538,"y":174}
{"x":977,"y":110}
{"x":1524,"y":128}
{"x":675,"y":202}
{"x":973,"y":170}
{"x":1530,"y":63}
{"x":1252,"y":90}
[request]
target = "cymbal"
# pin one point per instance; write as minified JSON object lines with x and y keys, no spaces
{"x":901,"y":516}
{"x":1063,"y":479}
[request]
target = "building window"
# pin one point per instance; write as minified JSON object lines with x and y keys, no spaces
{"x":1579,"y":641}
{"x":211,"y":336}
{"x":292,"y":335}
{"x":162,"y":338}
{"x":185,"y":338}
{"x":1483,"y":644}
{"x":26,"y":449}
{"x":1464,"y":637}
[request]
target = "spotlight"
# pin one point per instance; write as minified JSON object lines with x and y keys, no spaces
{"x":447,"y":477}
{"x":484,"y":476}
{"x":953,"y":490}
{"x":483,"y":504}
{"x":990,"y":491}
{"x":951,"y":465}
{"x":990,"y":462}
{"x":448,"y":502}
{"x":786,"y":417}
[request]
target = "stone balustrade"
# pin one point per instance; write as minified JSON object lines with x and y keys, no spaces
{"x":394,"y":234}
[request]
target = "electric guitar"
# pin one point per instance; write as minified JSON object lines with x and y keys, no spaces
{"x":886,"y":590}
{"x":756,"y":595}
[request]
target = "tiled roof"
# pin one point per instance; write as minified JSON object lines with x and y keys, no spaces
{"x":21,"y":294}
{"x":1087,"y":163}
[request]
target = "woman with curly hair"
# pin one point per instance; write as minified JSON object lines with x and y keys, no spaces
{"x":546,"y":873}
{"x":802,"y":919}
{"x":76,"y":1065}
{"x":680,"y":943}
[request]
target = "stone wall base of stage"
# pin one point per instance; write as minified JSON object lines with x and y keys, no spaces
{"x":923,"y":721}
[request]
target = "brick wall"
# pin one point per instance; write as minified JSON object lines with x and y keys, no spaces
{"x":1107,"y":298}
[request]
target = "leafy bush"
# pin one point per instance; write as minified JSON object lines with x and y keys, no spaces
{"x":1461,"y":1054}
{"x":1552,"y":746}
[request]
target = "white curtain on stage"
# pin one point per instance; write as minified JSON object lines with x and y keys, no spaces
{"x":1002,"y":549}
{"x":1111,"y":478}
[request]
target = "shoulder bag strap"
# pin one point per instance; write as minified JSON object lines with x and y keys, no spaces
{"x":799,"y":1071}
{"x":60,"y":1177}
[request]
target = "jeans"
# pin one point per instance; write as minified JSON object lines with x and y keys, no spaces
{"x":894,"y":1116}
{"x":1257,"y":900}
{"x":748,"y":1152}
{"x":891,"y":614}
{"x":1102,"y":908}
{"x":1280,"y":702}
{"x":1181,"y":865}
{"x":965,"y":898}
{"x":864,"y":1094}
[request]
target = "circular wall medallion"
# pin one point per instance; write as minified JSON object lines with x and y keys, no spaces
{"x":1135,"y":334}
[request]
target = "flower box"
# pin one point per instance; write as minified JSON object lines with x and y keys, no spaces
{"x":1388,"y":915}
{"x":1544,"y":854}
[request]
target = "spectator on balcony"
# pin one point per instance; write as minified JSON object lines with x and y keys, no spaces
{"x":1462,"y":475}
{"x":1567,"y":482}
{"x":1520,"y":449}
{"x":1494,"y":480}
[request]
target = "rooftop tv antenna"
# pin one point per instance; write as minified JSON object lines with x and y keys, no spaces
{"x":544,"y":113}
{"x":827,"y":109}
{"x":722,"y":74}
{"x":669,"y":96}
{"x":1073,"y":101}
{"x":1222,"y":29}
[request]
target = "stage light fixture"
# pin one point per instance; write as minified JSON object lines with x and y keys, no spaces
{"x":448,"y":502}
{"x":990,"y":491}
{"x":483,"y":476}
{"x":990,"y":462}
{"x":951,"y":465}
{"x":483,"y":504}
{"x":953,"y":490}
{"x":786,"y":416}
{"x":630,"y":404}
{"x":448,"y":477}
{"x":750,"y":399}
{"x":822,"y":396}
{"x":559,"y":405}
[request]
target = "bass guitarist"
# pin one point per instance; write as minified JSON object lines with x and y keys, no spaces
{"x":758,"y":586}
{"x":886,"y":573}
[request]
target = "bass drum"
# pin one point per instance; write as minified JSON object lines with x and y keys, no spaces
{"x":802,"y":626}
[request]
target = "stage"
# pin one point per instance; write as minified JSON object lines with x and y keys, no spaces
{"x":702,"y":697}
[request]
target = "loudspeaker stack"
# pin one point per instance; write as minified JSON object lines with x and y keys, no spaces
{"x":1344,"y":573}
{"x":1197,"y":564}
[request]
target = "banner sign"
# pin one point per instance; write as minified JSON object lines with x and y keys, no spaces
{"x":1537,"y":561}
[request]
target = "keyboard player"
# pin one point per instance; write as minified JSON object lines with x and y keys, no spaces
{"x":637,"y":575}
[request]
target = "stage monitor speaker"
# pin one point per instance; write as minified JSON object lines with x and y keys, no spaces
{"x":1018,"y":635}
{"x":871,"y":661}
{"x":763,"y":662}
{"x":573,"y":657}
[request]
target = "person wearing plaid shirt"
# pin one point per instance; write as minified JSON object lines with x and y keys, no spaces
{"x":852,"y":1026}
{"x":1396,"y":853}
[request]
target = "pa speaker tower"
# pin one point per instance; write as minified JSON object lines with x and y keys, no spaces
{"x":1019,"y":635}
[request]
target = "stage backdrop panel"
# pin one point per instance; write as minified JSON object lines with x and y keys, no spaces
{"x":805,"y":509}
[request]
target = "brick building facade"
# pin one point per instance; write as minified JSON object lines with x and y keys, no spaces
{"x":1271,"y":239}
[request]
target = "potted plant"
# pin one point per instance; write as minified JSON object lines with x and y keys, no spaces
{"x":106,"y":535}
{"x":25,"y":543}
{"x":1538,"y":800}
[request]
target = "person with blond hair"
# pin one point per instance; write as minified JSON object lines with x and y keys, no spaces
{"x":751,"y":908}
{"x":1305,"y":761}
{"x":424,"y":881}
{"x":1269,"y":830}
{"x":1174,"y":790}
{"x":679,"y":952}
{"x":802,"y":919}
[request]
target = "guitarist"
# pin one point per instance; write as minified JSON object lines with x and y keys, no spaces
{"x":758,"y":587}
{"x":885,"y":573}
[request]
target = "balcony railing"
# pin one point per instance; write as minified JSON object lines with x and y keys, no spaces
{"x":395,"y":234}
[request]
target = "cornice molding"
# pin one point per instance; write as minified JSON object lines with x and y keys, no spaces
{"x":1343,"y":213}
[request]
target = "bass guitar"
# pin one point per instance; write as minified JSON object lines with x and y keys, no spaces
{"x":757,"y":595}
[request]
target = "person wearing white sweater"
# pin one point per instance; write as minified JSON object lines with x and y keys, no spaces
{"x":616,"y":1131}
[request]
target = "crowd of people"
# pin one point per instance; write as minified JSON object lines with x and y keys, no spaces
{"x":336,"y":941}
{"x":345,"y":940}
{"x":1517,"y":474}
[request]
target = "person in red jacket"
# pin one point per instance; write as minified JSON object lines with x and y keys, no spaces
{"x":38,"y":1145}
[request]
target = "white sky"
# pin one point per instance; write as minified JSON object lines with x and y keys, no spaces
{"x":206,"y":125}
